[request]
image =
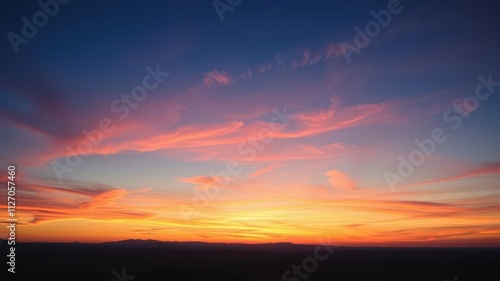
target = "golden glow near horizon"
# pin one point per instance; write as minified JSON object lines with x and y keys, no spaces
{"x":287,"y":213}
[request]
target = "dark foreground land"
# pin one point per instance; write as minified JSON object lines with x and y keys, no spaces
{"x":152,"y":260}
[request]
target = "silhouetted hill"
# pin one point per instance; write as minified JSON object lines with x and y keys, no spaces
{"x":157,"y":260}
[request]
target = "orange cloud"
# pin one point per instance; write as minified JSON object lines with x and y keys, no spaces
{"x":340,"y":180}
{"x":104,"y":198}
{"x":47,"y":200}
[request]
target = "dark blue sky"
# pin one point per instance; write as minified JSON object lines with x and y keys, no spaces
{"x":352,"y":114}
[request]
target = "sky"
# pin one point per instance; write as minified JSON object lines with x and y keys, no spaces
{"x":363,"y":123}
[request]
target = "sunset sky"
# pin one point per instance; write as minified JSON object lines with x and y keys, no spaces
{"x":257,"y":128}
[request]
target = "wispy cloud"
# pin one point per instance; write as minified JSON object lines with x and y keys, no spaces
{"x":486,"y":169}
{"x":216,"y":77}
{"x":340,"y":180}
{"x":45,"y":200}
{"x":263,"y":171}
{"x":201,"y":180}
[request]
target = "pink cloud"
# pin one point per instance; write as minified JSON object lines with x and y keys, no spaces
{"x":340,"y":180}
{"x":323,"y":121}
{"x":292,"y":60}
{"x":317,"y":118}
{"x":198,"y":180}
{"x":220,"y":140}
{"x":216,"y":77}
{"x":311,"y":148}
{"x":323,"y":149}
{"x":489,"y":169}
{"x":263,"y":171}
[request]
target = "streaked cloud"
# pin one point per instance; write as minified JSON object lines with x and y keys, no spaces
{"x":340,"y":180}
{"x":216,"y":77}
